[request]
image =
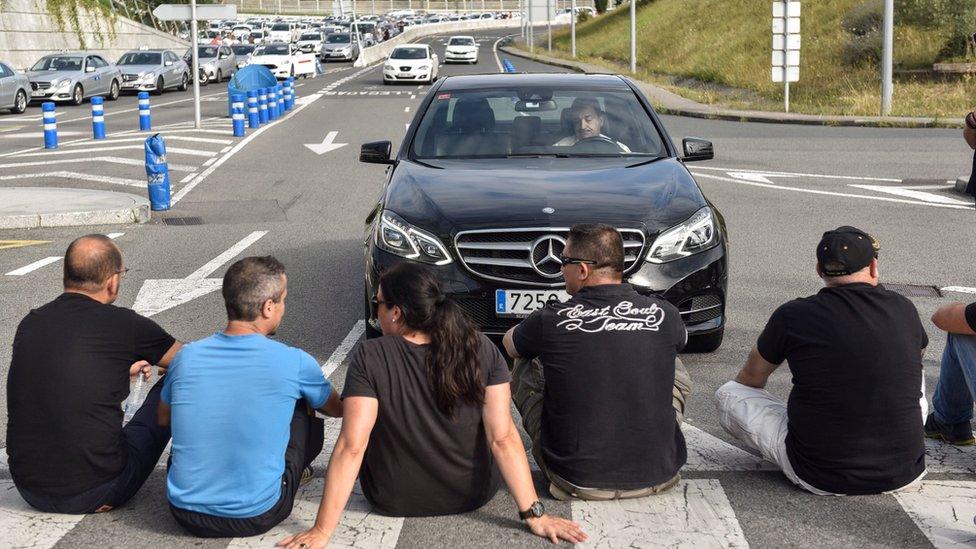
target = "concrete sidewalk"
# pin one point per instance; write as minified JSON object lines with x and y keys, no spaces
{"x":33,"y":207}
{"x":666,"y":102}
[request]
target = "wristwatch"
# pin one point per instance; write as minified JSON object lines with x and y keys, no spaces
{"x":535,"y":510}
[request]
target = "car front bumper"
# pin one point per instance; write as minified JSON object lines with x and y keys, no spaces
{"x":337,"y":56}
{"x":51,"y":94}
{"x":696,"y":285}
{"x":412,"y":76}
{"x":470,"y":56}
{"x":138,"y":86}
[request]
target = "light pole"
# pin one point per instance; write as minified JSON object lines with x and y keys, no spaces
{"x":633,"y":36}
{"x":572,"y":27}
{"x":195,"y":56}
{"x":549,"y":24}
{"x":886,"y":57}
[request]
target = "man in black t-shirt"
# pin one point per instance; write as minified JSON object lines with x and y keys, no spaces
{"x":69,"y":374}
{"x":597,"y":379}
{"x":853,"y":421}
{"x":951,"y":418}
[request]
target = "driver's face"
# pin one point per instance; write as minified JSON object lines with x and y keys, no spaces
{"x":587,"y":122}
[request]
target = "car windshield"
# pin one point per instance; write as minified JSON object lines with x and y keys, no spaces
{"x":141,"y":58}
{"x":409,"y":53}
{"x":242,"y":49}
{"x":58,"y":63}
{"x":338,"y":39}
{"x":207,"y":51}
{"x":461,"y":42}
{"x":280,"y":27}
{"x":273,"y":49}
{"x":310,"y":36}
{"x":538,"y":121}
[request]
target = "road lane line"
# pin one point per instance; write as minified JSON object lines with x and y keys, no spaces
{"x":943,"y":510}
{"x":191,"y":139}
{"x":188,"y":177}
{"x":343,"y":349}
{"x":413,"y":97}
{"x":107,"y":159}
{"x":911,"y":193}
{"x":830,"y":193}
{"x":34,"y":266}
{"x":792,"y":174}
{"x":695,"y":513}
{"x":959,"y":289}
{"x":23,"y":526}
{"x":406,"y":109}
{"x":707,"y":452}
{"x":78,"y":176}
{"x":169,"y":150}
{"x":494,"y":50}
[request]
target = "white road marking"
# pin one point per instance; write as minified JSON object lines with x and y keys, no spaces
{"x":34,"y":266}
{"x":166,"y":137}
{"x":792,"y":174}
{"x":830,"y":193}
{"x":494,"y":50}
{"x":695,"y":513}
{"x":37,"y":135}
{"x":209,"y":162}
{"x":78,"y":176}
{"x":709,"y":453}
{"x":946,"y":458}
{"x":23,"y":526}
{"x":751,"y":176}
{"x":406,"y":109}
{"x":413,"y":97}
{"x":158,"y":295}
{"x":337,"y":356}
{"x":406,"y":126}
{"x":944,"y":510}
{"x":188,"y":177}
{"x":327,"y":145}
{"x":959,"y":289}
{"x":911,"y":193}
{"x":97,"y":159}
{"x":169,"y":150}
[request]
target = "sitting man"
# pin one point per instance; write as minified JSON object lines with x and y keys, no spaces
{"x":853,"y":421}
{"x":72,"y":361}
{"x":243,"y":433}
{"x":597,"y":379}
{"x":588,"y":121}
{"x":953,"y":402}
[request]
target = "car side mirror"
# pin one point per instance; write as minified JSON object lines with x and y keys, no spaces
{"x":89,"y":69}
{"x":168,"y":64}
{"x":224,"y":56}
{"x":377,"y":152}
{"x":696,"y":149}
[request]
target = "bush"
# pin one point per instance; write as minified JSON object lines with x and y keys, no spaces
{"x":864,"y":19}
{"x":863,"y":27}
{"x":583,"y":16}
{"x":956,"y":16}
{"x":600,"y":5}
{"x":862,"y":50}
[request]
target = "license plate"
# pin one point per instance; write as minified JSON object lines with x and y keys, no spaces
{"x":37,"y":93}
{"x":524,"y":302}
{"x":405,"y":75}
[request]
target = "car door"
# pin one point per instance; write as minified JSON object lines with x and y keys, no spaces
{"x":174,"y":72}
{"x":106,"y":73}
{"x":90,"y":79}
{"x":7,"y":87}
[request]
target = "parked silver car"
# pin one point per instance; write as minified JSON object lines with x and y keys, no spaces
{"x":219,"y":62}
{"x":342,"y":46}
{"x":14,"y":90}
{"x":153,"y":71}
{"x":74,"y":77}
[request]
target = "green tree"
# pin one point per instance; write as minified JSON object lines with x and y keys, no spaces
{"x":601,"y":5}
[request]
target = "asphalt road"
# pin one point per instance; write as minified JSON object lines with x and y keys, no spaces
{"x":778,"y":186}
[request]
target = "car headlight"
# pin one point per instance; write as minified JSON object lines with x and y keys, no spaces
{"x":403,"y":239}
{"x":423,"y":68}
{"x":61,"y":83}
{"x":148,"y":77}
{"x":388,"y":67}
{"x":696,"y":234}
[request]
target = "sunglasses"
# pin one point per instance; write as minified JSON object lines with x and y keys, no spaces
{"x":376,"y":301}
{"x":122,"y":272}
{"x":567,"y":260}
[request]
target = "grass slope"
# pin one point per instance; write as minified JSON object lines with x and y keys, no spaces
{"x":719,"y":51}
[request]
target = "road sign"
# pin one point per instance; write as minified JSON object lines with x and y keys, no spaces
{"x":205,"y":12}
{"x":786,"y":46}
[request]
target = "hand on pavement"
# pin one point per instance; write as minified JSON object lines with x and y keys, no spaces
{"x":555,"y":529}
{"x":309,"y":539}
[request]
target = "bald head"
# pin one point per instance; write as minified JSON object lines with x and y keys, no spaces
{"x":90,"y":262}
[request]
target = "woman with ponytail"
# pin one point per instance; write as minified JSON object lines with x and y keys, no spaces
{"x":426,"y":418}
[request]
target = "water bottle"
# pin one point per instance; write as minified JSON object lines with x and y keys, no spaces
{"x":135,"y":398}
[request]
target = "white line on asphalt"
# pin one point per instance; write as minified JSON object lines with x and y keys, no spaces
{"x":113,"y":140}
{"x":34,"y":266}
{"x":830,"y":193}
{"x":406,"y":126}
{"x":23,"y":526}
{"x":695,"y":513}
{"x":406,"y":109}
{"x":943,"y":510}
{"x":79,"y":176}
{"x":413,"y":97}
{"x":343,"y":349}
{"x":136,"y":108}
{"x":910,"y":193}
{"x":791,"y":174}
{"x":107,"y":159}
{"x":188,"y":177}
{"x":707,"y":452}
{"x":38,"y":135}
{"x":494,"y":49}
{"x":169,"y":150}
{"x":209,"y":162}
{"x":959,"y":289}
{"x":225,"y":149}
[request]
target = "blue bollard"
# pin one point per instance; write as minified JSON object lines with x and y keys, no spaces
{"x":272,"y":104}
{"x":50,"y":125}
{"x":237,"y":103}
{"x":263,"y":105}
{"x":253,"y":118}
{"x":281,"y":99}
{"x":157,"y":173}
{"x":145,"y":123}
{"x":289,"y":93}
{"x":98,"y":117}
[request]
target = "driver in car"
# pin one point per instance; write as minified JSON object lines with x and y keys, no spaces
{"x":588,"y":121}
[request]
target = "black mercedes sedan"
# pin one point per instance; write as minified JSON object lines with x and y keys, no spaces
{"x":495,"y":169}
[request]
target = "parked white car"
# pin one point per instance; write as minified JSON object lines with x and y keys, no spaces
{"x":411,"y":63}
{"x":310,"y":42}
{"x":461,"y":49}
{"x":281,"y":32}
{"x":284,"y":60}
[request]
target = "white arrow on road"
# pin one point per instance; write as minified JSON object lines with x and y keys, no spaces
{"x":326,"y":145}
{"x":913,"y":193}
{"x":758,"y":177}
{"x":158,"y":295}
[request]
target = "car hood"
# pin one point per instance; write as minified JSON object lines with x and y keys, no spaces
{"x":259,"y":59}
{"x":448,"y":196}
{"x":334,"y":46}
{"x":408,"y":62}
{"x":462,"y":48}
{"x":139,"y":69}
{"x":50,"y":76}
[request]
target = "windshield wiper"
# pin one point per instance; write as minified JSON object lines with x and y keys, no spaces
{"x":538,"y":155}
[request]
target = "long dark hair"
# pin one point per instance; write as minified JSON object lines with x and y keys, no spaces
{"x":452,"y":357}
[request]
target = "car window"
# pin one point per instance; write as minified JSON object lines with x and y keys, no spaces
{"x":310,"y":36}
{"x":409,"y":53}
{"x":338,"y":39}
{"x":242,"y":49}
{"x":272,"y":49}
{"x":461,"y":42}
{"x":5,"y":71}
{"x":58,"y":63}
{"x":99,"y":62}
{"x":280,"y":27}
{"x":207,"y":51}
{"x":536,"y":121}
{"x":140,"y":58}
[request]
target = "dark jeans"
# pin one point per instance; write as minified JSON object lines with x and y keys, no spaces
{"x":143,"y":442}
{"x":304,"y":444}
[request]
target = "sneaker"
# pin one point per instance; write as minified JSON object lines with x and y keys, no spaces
{"x":960,"y":434}
{"x":307,"y":475}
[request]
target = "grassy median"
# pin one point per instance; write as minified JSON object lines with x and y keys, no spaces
{"x":718,"y":52}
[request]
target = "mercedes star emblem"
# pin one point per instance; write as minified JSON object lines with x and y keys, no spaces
{"x":548,"y":210}
{"x":545,"y":256}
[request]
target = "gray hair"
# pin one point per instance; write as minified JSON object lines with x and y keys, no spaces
{"x":251,"y":282}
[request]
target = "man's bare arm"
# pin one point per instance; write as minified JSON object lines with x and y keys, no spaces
{"x":952,"y":318}
{"x":332,"y":406}
{"x":756,"y":371}
{"x":509,"y":342}
{"x":168,"y":357}
{"x":970,"y":136}
{"x":162,"y":414}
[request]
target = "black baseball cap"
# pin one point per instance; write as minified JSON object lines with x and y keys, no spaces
{"x":846,"y":250}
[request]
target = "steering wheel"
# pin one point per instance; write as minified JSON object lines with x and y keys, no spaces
{"x":596,"y":144}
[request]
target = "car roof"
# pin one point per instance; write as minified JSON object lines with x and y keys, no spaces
{"x":412,"y":46}
{"x":461,"y":36}
{"x":475,"y":81}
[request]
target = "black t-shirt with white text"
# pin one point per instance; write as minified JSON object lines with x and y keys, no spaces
{"x":420,"y":461}
{"x":68,"y":377}
{"x":855,"y":423}
{"x":608,"y":357}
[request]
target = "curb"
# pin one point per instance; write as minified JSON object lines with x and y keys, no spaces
{"x":136,"y":212}
{"x":661,"y":96}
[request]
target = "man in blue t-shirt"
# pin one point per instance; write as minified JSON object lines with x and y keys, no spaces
{"x":952,"y":405}
{"x":243,"y":439}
